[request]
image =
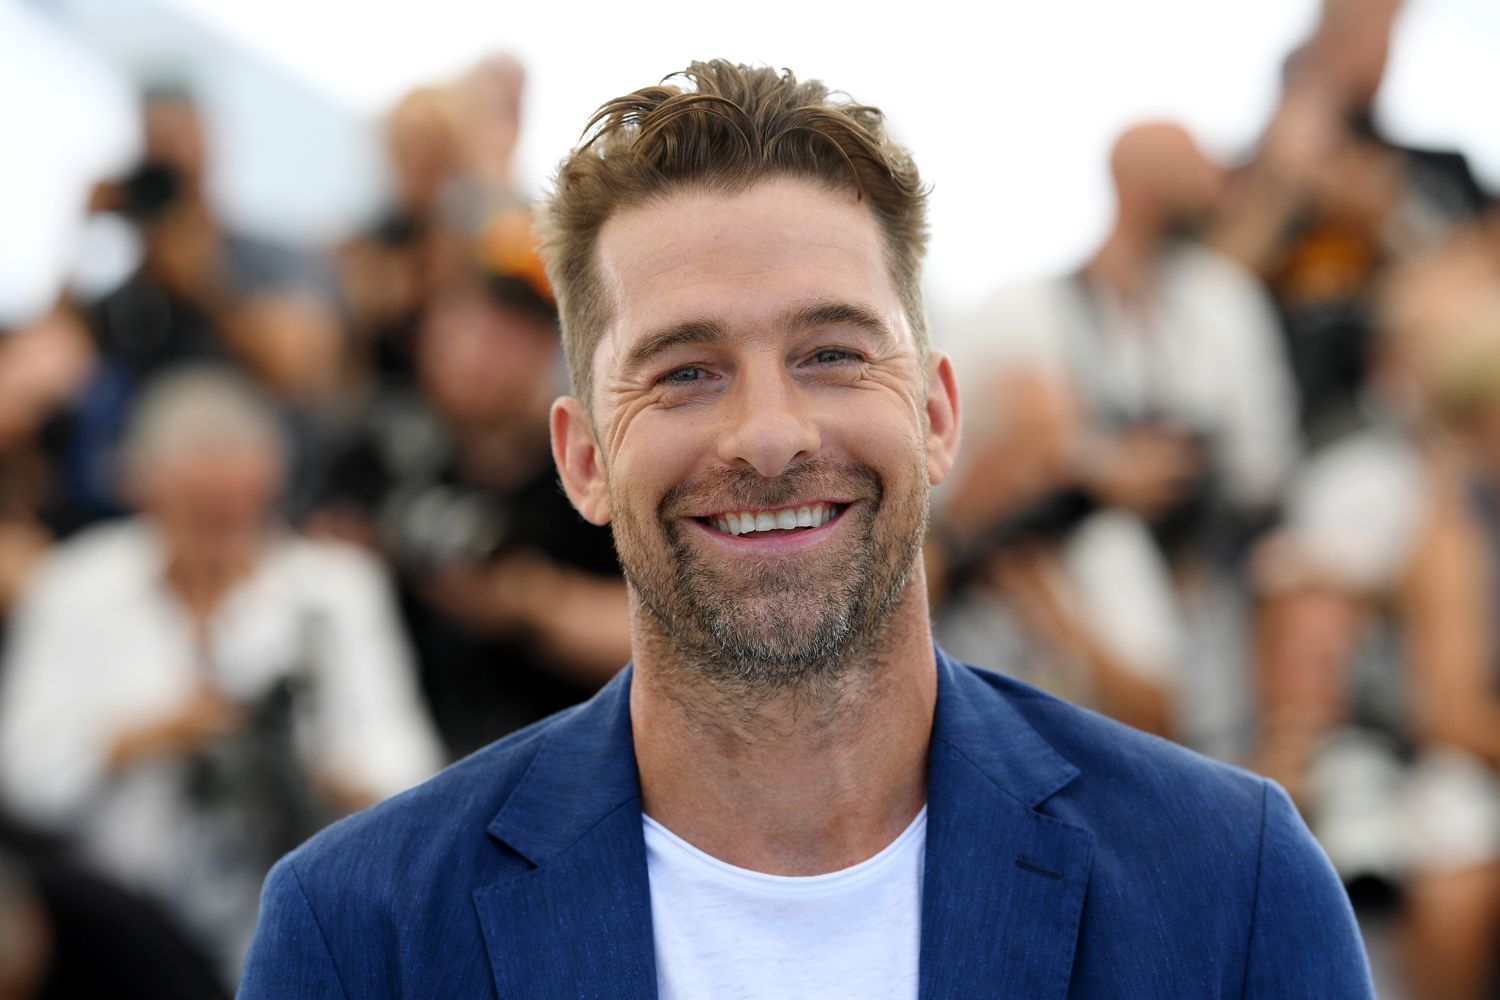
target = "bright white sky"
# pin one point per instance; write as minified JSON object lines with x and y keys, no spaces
{"x":1009,"y":106}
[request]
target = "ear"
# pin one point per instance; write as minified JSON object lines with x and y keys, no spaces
{"x":942,"y":417}
{"x":580,"y":464}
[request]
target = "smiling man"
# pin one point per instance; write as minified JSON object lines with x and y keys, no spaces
{"x":791,"y":792}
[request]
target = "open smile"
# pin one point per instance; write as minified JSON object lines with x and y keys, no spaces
{"x":775,"y":523}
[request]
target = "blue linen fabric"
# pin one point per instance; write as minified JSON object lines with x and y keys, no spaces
{"x":1067,"y":856}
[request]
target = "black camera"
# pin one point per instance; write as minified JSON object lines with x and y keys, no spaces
{"x":150,"y":190}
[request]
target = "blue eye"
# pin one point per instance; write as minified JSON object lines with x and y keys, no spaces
{"x":683,"y":375}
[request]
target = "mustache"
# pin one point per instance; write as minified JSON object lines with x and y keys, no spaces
{"x":746,"y":489}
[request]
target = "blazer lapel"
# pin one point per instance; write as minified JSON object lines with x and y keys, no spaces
{"x":1003,"y":884}
{"x":579,"y":923}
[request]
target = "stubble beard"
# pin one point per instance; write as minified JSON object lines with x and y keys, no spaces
{"x":789,"y":623}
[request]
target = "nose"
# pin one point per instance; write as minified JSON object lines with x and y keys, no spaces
{"x":768,"y":426}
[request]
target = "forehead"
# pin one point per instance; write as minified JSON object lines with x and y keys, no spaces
{"x":740,"y":260}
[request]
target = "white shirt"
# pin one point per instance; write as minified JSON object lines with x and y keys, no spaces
{"x":1111,"y":575}
{"x":1357,"y":506}
{"x":99,"y":644}
{"x":728,"y":933}
{"x":1210,"y":356}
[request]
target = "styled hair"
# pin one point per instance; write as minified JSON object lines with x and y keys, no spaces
{"x":737,"y":125}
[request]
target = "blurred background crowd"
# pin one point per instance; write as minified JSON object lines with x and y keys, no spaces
{"x":280,"y":534}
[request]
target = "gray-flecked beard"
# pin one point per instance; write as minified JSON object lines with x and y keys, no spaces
{"x":779,"y":625}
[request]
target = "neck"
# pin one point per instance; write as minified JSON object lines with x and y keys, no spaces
{"x":797,"y":781}
{"x":201,"y":575}
{"x":1125,"y":262}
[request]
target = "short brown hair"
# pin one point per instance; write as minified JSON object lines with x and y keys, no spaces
{"x":737,"y":126}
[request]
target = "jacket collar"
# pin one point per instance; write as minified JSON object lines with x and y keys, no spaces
{"x":582,"y":772}
{"x":579,"y":923}
{"x":586,"y":768}
{"x":1003,"y":883}
{"x":978,"y":722}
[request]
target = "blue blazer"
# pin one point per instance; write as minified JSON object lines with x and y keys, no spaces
{"x":1067,"y":856}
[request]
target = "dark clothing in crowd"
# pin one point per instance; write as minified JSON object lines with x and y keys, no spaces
{"x":1323,"y":277}
{"x":142,"y":330}
{"x":404,"y":473}
{"x":106,"y":941}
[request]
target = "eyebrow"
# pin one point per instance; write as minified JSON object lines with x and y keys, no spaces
{"x":697,"y":331}
{"x":703,"y":331}
{"x":821,"y":314}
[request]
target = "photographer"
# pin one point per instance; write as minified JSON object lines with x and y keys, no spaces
{"x":1179,"y":404}
{"x":515,"y":604}
{"x":202,"y":292}
{"x":191,"y":692}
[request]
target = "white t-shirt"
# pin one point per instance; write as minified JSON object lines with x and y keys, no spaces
{"x":728,"y":933}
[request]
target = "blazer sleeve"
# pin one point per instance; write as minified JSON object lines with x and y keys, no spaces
{"x":1304,"y":941}
{"x":289,"y":956}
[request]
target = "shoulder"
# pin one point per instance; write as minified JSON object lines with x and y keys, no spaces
{"x":298,"y":555}
{"x":1197,"y":266}
{"x":1206,"y":857}
{"x":96,"y":563}
{"x":1124,"y":772}
{"x":1192,"y":822}
{"x":336,"y":576}
{"x":430,"y":836}
{"x":1150,"y":805}
{"x":387,"y":894}
{"x":412,"y":861}
{"x":1358,"y":506}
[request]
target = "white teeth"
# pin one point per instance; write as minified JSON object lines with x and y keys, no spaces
{"x":743,"y":522}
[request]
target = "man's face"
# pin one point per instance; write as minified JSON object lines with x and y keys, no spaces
{"x":765,"y":434}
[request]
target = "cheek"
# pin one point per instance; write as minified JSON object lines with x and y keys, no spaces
{"x":650,"y":457}
{"x":885,"y":437}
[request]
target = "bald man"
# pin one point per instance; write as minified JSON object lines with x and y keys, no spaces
{"x":1171,"y":357}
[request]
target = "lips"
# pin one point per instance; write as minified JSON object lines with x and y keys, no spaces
{"x":736,"y":505}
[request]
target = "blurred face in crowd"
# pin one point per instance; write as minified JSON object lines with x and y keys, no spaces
{"x":765,"y":432}
{"x":293,"y":343}
{"x":491,"y":99}
{"x":207,"y":496}
{"x":1467,"y":377}
{"x":422,"y":144}
{"x":1306,"y":635}
{"x":174,"y":136}
{"x":482,"y":362}
{"x":1438,"y":326}
{"x":1161,"y":173}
